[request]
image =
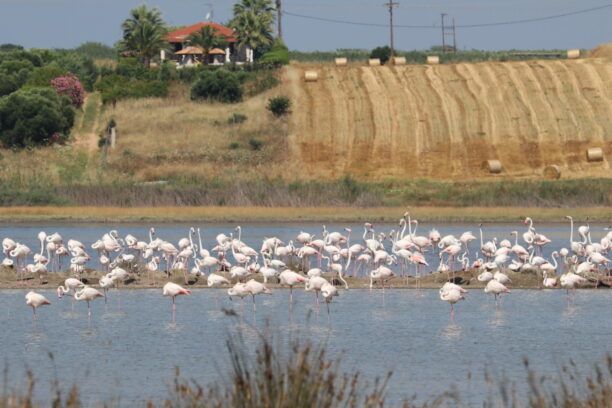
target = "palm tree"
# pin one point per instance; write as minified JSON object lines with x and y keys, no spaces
{"x":144,"y":33}
{"x":207,"y":39}
{"x":253,"y":20}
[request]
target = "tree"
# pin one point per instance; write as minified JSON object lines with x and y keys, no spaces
{"x":382,"y":53}
{"x":218,"y":85}
{"x":34,"y":116}
{"x":253,"y":21}
{"x":70,"y":86}
{"x":207,"y":39}
{"x":278,"y":54}
{"x":144,"y":33}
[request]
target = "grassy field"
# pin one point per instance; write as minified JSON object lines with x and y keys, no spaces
{"x":287,"y":214}
{"x":338,"y":147}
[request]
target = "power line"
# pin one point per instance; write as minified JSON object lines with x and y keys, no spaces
{"x":433,"y":26}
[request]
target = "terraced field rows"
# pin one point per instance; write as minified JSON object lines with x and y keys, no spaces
{"x":444,"y":121}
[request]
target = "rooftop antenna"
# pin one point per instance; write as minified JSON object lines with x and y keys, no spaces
{"x":210,"y":14}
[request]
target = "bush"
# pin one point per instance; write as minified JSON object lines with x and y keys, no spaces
{"x":43,"y":76}
{"x":33,"y":117}
{"x":70,"y":86}
{"x":219,"y":85}
{"x":96,"y":50}
{"x":382,"y":53}
{"x":255,"y":144}
{"x":237,"y":118}
{"x":81,"y":66}
{"x":278,"y":54}
{"x":279,"y":106}
{"x":113,"y":88}
{"x":234,"y":145}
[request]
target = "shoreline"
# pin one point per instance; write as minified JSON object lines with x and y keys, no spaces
{"x":290,"y":214}
{"x":434,"y":280}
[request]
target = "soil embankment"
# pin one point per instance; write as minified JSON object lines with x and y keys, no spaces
{"x":444,"y":121}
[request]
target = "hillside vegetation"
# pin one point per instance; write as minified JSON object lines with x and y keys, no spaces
{"x":360,"y":136}
{"x":443,"y":121}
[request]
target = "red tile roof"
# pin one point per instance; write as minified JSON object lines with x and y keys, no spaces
{"x":181,"y":35}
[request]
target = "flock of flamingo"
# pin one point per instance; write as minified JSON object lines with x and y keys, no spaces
{"x":319,"y":264}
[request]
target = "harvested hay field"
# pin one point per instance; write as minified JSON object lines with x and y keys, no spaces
{"x":444,"y":121}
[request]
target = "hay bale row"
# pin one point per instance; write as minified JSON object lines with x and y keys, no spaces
{"x":573,"y":54}
{"x":341,"y":62}
{"x":493,"y":166}
{"x":552,"y":172}
{"x":374,"y":62}
{"x":399,"y":60}
{"x":433,"y":59}
{"x":595,"y":154}
{"x":311,"y":76}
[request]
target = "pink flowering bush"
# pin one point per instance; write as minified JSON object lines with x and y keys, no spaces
{"x":70,"y":86}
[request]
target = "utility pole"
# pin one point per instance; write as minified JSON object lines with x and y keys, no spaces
{"x":279,"y":18}
{"x":443,"y":33}
{"x":454,"y":37}
{"x":391,"y":4}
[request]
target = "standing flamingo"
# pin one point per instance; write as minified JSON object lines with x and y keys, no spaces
{"x":35,"y":300}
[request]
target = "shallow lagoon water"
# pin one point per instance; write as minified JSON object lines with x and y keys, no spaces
{"x":130,"y":348}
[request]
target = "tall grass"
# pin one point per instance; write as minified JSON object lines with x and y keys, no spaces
{"x":266,"y":372}
{"x":75,"y":188}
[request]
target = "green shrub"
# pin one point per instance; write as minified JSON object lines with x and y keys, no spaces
{"x":279,"y":106}
{"x":255,"y":144}
{"x":96,"y":50}
{"x":237,"y":118}
{"x":278,"y":54}
{"x":33,"y":117}
{"x":234,"y":145}
{"x":81,"y":66}
{"x":116,"y":87}
{"x":382,"y":53}
{"x":219,"y":85}
{"x":43,"y":76}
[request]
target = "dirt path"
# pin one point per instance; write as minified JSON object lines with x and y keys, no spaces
{"x":88,"y":138}
{"x":444,"y":121}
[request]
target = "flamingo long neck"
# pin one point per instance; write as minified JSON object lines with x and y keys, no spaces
{"x":515,"y":233}
{"x":409,"y":225}
{"x":481,"y":243}
{"x":365,"y":232}
{"x":404,"y":229}
{"x":200,"y":239}
{"x":416,"y":225}
{"x":554,"y":258}
{"x":239,"y":228}
{"x":571,"y":231}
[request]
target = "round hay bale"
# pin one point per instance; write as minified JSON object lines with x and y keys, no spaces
{"x":573,"y":54}
{"x":492,"y":166}
{"x":341,"y":62}
{"x":433,"y":59}
{"x":552,"y":172}
{"x":595,"y":154}
{"x":399,"y":60}
{"x":374,"y":62}
{"x":311,"y":76}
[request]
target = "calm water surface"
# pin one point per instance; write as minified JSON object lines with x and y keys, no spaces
{"x":130,"y":348}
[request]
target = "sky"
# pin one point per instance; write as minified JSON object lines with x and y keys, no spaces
{"x":68,"y":23}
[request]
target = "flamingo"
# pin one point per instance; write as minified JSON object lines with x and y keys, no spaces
{"x":88,"y":294}
{"x":549,"y":282}
{"x":495,"y":287}
{"x":452,"y":295}
{"x":256,"y":288}
{"x":290,"y":278}
{"x":328,"y":291}
{"x":315,"y":284}
{"x":173,"y":290}
{"x":35,"y":300}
